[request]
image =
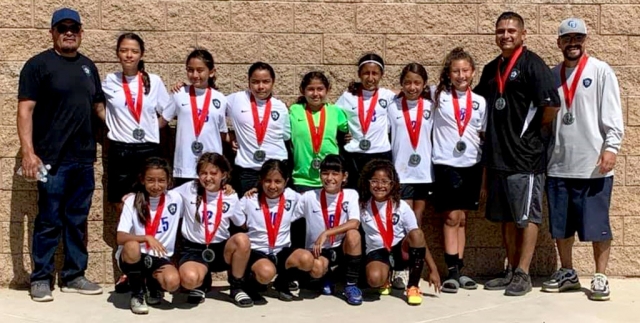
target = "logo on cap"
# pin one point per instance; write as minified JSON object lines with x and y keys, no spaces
{"x":573,"y":24}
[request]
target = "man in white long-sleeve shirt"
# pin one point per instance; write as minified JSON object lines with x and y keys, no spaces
{"x":588,"y":133}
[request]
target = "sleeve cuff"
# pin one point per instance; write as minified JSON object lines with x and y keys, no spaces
{"x":612,"y":149}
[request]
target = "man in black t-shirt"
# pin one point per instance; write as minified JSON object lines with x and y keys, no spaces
{"x":521,"y":103}
{"x":58,"y":91}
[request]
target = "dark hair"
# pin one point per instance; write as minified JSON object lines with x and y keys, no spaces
{"x":367,"y":173}
{"x":420,"y":70}
{"x":218,"y":161}
{"x":268,"y":167}
{"x":206,"y":57}
{"x":333,"y":162}
{"x":141,"y":202}
{"x":306,"y":80}
{"x":145,"y":76}
{"x":457,"y":53}
{"x":262,"y":66}
{"x":510,"y":15}
{"x":354,"y":86}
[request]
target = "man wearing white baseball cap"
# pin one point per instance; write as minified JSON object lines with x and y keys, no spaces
{"x":588,"y":134}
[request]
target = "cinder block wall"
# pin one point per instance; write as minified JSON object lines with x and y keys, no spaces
{"x":297,"y":36}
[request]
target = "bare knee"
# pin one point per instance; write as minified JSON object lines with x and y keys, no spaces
{"x":319,"y":269}
{"x":264,"y":273}
{"x":352,"y":242}
{"x":453,"y":219}
{"x":131,"y":252}
{"x":190,"y":279}
{"x":242,"y":242}
{"x":305,"y":261}
{"x":416,"y":238}
{"x":376,"y":278}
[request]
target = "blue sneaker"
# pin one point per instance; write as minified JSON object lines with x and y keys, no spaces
{"x":353,"y":295}
{"x":327,"y":287}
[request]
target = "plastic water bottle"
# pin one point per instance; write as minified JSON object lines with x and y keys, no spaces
{"x":41,"y":175}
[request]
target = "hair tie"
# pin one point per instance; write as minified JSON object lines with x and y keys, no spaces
{"x":372,"y":61}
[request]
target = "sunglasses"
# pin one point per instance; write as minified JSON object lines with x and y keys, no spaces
{"x":568,"y":38}
{"x":63,"y":29}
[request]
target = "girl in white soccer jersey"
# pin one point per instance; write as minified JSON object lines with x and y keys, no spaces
{"x":207,"y":245}
{"x":392,"y":237}
{"x":459,"y":123}
{"x":269,"y":214}
{"x":201,"y":112}
{"x":147,"y":234}
{"x":261,"y":126}
{"x":366,"y":106}
{"x":135,"y":99}
{"x":333,"y":217}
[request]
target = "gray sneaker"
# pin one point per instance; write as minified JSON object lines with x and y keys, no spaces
{"x":41,"y":291}
{"x":400,"y":279}
{"x":562,"y":280}
{"x":154,"y":297}
{"x":138,"y":305}
{"x":500,"y":283}
{"x":520,"y":284}
{"x":81,"y":285}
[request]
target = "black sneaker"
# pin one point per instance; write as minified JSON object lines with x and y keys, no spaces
{"x":256,"y":297}
{"x":241,"y":298}
{"x":520,"y":284}
{"x":500,"y":283}
{"x":294,"y":286}
{"x":196,"y":296}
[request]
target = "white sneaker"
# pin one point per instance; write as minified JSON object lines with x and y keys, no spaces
{"x":599,"y":288}
{"x":138,"y":306}
{"x":400,"y":279}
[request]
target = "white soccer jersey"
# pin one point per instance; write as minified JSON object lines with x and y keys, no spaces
{"x":446,"y":135}
{"x":167,"y":228}
{"x":278,"y":129}
{"x":401,"y":147}
{"x":378,"y":132}
{"x":120,"y":122}
{"x":310,"y":208}
{"x":598,"y":124}
{"x":404,"y":220}
{"x":250,"y":209}
{"x":193,"y":230}
{"x":185,"y":160}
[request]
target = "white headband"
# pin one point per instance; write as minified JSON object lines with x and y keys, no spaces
{"x":371,"y":61}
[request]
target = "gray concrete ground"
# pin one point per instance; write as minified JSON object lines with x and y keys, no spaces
{"x":466,"y":306}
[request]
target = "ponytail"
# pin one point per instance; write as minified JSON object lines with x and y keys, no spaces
{"x":145,"y":77}
{"x":141,"y":204}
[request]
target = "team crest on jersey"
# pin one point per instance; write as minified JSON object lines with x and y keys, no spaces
{"x":586,"y":82}
{"x":382,"y":103}
{"x":287,"y":205}
{"x":172,"y":208}
{"x":476,"y":105}
{"x":216,"y":103}
{"x":514,"y":74}
{"x":86,"y":70}
{"x":395,"y":219}
{"x":345,"y":206}
{"x":225,"y":207}
{"x":275,"y":115}
{"x":426,"y":114}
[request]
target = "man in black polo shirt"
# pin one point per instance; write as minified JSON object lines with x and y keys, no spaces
{"x":522,"y":102}
{"x":58,"y":90}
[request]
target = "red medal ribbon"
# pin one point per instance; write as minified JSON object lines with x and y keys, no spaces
{"x":261,"y":127}
{"x":198,"y":121}
{"x":273,"y":228}
{"x":151,"y":227}
{"x":136,"y":110}
{"x":365,"y":122}
{"x":468,"y":111}
{"x":386,"y":233}
{"x":570,"y":92}
{"x":336,"y":215}
{"x":414,"y":133}
{"x":208,"y":236}
{"x":502,"y":79}
{"x":316,"y":133}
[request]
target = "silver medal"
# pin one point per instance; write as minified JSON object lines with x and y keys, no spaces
{"x":148,"y":262}
{"x":197,"y":147}
{"x":365,"y":144}
{"x":500,"y":103}
{"x":259,"y":155}
{"x":208,"y":255}
{"x":461,"y":146}
{"x":138,"y":134}
{"x":316,"y":163}
{"x":568,"y":118}
{"x":414,"y":160}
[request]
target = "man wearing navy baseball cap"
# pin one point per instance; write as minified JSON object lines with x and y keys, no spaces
{"x":58,"y":92}
{"x":588,"y":133}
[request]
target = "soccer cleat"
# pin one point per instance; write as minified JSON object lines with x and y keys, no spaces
{"x":414,"y":296}
{"x":385,"y":289}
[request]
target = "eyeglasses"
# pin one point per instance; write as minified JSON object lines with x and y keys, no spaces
{"x":577,"y":38}
{"x":377,"y":182}
{"x":63,"y":29}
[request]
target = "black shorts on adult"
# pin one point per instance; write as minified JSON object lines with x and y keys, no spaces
{"x":278,"y":259}
{"x":580,"y":205}
{"x":355,"y":164}
{"x":334,"y":255}
{"x":420,"y":192}
{"x":149,"y":264}
{"x":193,"y":252}
{"x":383,"y":255}
{"x":515,"y":197}
{"x":457,"y":188}
{"x":124,"y":165}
